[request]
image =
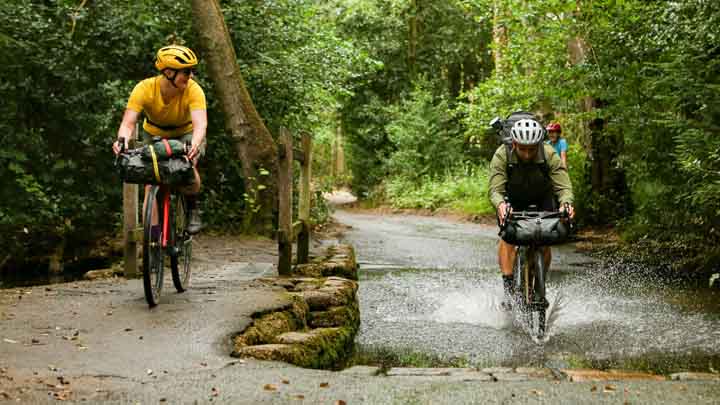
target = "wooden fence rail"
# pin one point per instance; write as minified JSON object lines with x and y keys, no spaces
{"x":289,"y":232}
{"x":132,"y":230}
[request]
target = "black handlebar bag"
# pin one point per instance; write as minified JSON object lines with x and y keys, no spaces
{"x":536,"y":231}
{"x":136,"y":168}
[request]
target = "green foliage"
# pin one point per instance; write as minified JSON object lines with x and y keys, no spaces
{"x":70,"y":68}
{"x":424,"y":136}
{"x":658,"y":68}
{"x":446,"y":51}
{"x":64,"y":85}
{"x":464,"y":191}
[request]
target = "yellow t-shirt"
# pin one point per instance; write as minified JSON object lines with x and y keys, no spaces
{"x":166,"y":120}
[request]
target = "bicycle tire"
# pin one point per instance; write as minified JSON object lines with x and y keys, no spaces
{"x":182,"y":254}
{"x":153,"y":255}
{"x":538,"y":301}
{"x":530,"y":289}
{"x":518,"y":277}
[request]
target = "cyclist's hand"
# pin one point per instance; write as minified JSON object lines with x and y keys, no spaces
{"x":503,"y":210}
{"x":117,"y":146}
{"x":567,"y":207}
{"x":193,"y":152}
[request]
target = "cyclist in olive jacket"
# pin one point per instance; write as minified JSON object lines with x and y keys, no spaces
{"x":527,"y":172}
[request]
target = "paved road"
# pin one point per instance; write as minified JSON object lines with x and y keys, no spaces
{"x":90,"y":342}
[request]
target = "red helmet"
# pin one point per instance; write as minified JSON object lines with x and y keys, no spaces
{"x":554,"y":127}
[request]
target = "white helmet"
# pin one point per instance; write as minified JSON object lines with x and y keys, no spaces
{"x":527,"y":132}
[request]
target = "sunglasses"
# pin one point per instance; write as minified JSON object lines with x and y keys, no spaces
{"x":188,"y":71}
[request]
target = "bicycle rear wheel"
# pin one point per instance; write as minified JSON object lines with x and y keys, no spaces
{"x":182,"y":252}
{"x":153,"y":255}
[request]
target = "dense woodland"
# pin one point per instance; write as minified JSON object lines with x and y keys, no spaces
{"x":409,"y":86}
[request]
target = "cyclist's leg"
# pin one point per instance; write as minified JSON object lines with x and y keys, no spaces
{"x":506,"y":258}
{"x":547,"y":257}
{"x":191,"y":191}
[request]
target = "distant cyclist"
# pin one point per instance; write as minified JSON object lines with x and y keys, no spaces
{"x":556,"y":140}
{"x":527,"y":172}
{"x":174,"y":107}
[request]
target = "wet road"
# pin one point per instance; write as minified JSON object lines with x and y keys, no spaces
{"x":432,"y":286}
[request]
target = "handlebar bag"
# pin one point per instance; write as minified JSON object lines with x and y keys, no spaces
{"x":537,"y":231}
{"x":135,"y":169}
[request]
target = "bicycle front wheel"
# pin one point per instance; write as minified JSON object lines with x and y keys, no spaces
{"x":153,"y":255}
{"x":538,"y":301}
{"x":182,"y":252}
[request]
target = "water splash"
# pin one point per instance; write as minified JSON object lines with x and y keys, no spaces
{"x":477,"y":306}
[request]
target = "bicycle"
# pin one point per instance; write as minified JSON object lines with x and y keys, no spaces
{"x":171,"y":238}
{"x":168,"y":235}
{"x":529,"y":272}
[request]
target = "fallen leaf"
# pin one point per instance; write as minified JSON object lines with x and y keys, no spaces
{"x":203,"y":364}
{"x":594,"y":388}
{"x":300,"y":396}
{"x":340,"y":402}
{"x":270,"y":387}
{"x":62,"y":395}
{"x":34,"y":341}
{"x":163,"y":399}
{"x":128,"y":329}
{"x":536,"y":392}
{"x":9,"y":341}
{"x":286,"y":381}
{"x":324,"y":385}
{"x":609,"y":388}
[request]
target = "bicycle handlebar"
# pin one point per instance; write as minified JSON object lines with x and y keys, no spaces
{"x":534,"y":214}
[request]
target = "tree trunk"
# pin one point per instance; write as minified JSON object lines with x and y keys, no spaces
{"x":500,"y":37}
{"x":412,"y":39}
{"x":607,"y":179}
{"x":255,"y":146}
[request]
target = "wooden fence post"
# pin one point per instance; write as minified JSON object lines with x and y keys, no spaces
{"x":130,"y":223}
{"x":303,"y":240}
{"x":285,"y":230}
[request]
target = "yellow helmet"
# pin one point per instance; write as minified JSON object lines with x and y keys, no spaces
{"x":175,"y":57}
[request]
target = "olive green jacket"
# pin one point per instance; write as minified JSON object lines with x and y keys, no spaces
{"x":558,"y":175}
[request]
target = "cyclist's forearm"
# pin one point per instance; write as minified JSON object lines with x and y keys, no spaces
{"x":199,"y":120}
{"x":125,"y":132}
{"x":127,"y":126}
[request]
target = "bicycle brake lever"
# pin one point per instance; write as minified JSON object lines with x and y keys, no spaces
{"x":122,"y":149}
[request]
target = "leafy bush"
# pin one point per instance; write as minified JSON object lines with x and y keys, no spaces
{"x":425,"y":140}
{"x":464,"y":191}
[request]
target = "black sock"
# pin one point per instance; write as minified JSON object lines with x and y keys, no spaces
{"x":191,"y":202}
{"x":507,"y":284}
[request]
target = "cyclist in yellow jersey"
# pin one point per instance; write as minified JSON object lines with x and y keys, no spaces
{"x":174,"y":107}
